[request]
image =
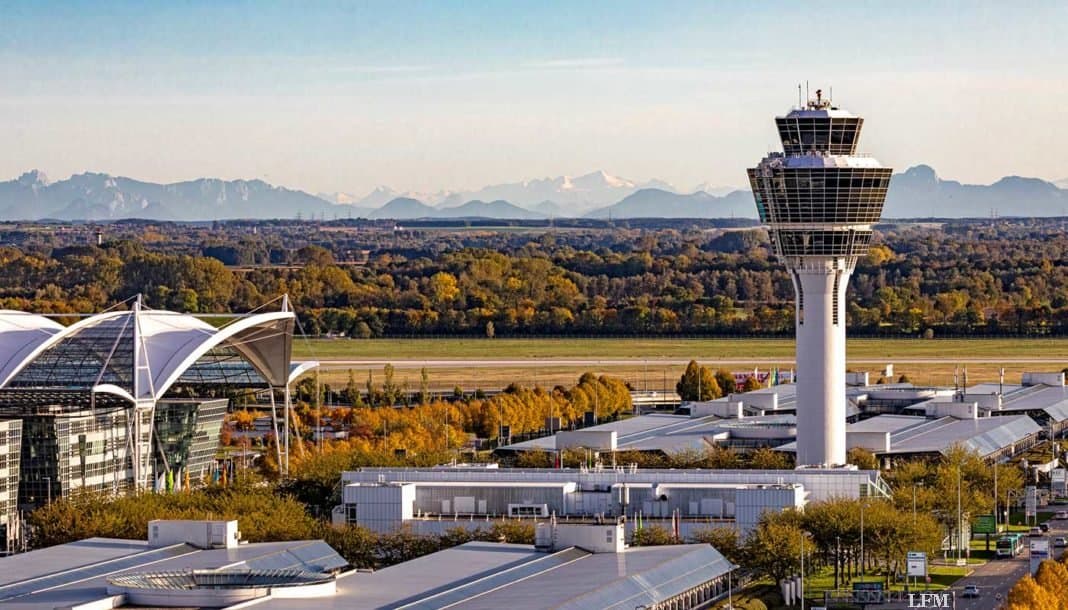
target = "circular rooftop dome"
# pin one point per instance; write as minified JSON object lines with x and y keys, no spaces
{"x":218,"y":588}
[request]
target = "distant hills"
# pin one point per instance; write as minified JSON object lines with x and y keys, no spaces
{"x":578,"y":194}
{"x":915,"y":193}
{"x":658,"y":203}
{"x":91,"y":196}
{"x":920,"y":193}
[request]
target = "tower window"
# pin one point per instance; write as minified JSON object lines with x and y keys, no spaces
{"x":834,"y":305}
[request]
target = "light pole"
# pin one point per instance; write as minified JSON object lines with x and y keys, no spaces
{"x":1011,"y":497}
{"x":960,"y":520}
{"x":862,"y":540}
{"x":914,"y":485}
{"x":995,"y":497}
{"x":730,"y":588}
{"x":802,"y":570}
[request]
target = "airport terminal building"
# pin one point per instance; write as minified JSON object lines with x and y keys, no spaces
{"x":432,"y":500}
{"x":122,"y":400}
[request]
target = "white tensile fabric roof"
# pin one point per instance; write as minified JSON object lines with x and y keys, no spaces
{"x":165,"y":343}
{"x":20,"y":333}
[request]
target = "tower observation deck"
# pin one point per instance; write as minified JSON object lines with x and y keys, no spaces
{"x":819,"y":199}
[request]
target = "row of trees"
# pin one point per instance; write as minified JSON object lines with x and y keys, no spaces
{"x":265,"y":516}
{"x":963,"y":278}
{"x":852,"y":537}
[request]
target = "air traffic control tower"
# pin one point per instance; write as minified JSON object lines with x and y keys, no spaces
{"x":819,"y":199}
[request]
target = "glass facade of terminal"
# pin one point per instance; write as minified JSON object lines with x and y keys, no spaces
{"x":188,"y":433}
{"x":10,"y":445}
{"x":67,"y":450}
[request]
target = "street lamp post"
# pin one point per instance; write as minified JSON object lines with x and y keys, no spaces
{"x":914,"y":485}
{"x":1011,"y":497}
{"x":862,"y":540}
{"x":730,"y":589}
{"x":960,"y":520}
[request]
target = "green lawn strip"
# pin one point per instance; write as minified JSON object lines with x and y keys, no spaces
{"x":942,"y":577}
{"x":1016,"y":521}
{"x":762,"y":594}
{"x":654,"y":348}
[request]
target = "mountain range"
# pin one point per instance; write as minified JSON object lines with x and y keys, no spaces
{"x":915,"y":193}
{"x":579,"y":194}
{"x":919,"y":193}
{"x":91,"y":196}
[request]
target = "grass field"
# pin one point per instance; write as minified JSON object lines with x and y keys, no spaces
{"x":656,"y":364}
{"x":653,"y":349}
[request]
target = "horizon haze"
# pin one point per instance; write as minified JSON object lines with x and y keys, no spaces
{"x":332,"y":98}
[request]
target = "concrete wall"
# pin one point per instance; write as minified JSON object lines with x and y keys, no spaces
{"x":600,"y":440}
{"x":607,"y":538}
{"x":876,"y":442}
{"x":959,"y":410}
{"x":753,"y":502}
{"x":201,"y":534}
{"x":380,"y":508}
{"x":857,"y":379}
{"x":1053,"y":379}
{"x":728,"y":409}
{"x":762,"y":400}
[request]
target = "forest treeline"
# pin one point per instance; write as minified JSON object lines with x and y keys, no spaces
{"x":1004,"y":278}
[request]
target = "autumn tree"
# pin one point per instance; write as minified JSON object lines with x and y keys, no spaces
{"x":724,"y":539}
{"x":774,"y":547}
{"x":862,"y":458}
{"x":697,"y":383}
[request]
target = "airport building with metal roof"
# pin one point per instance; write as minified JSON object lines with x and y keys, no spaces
{"x":188,"y":564}
{"x":130,"y":399}
{"x":195,"y":564}
{"x":432,"y":500}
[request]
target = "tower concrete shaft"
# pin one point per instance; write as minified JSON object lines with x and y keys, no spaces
{"x":819,"y":200}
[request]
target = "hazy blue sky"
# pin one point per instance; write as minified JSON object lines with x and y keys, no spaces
{"x":346,"y":96}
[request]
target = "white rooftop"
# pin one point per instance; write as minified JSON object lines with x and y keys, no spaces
{"x":819,"y":113}
{"x":816,"y":160}
{"x":491,"y":576}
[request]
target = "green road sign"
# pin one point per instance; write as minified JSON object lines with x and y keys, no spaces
{"x":984,"y":524}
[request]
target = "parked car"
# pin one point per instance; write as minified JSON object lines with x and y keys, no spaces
{"x":1060,"y":541}
{"x":970,"y":591}
{"x":1035,"y":531}
{"x":1061,"y":514}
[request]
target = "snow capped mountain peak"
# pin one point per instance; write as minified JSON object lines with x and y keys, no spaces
{"x":718,"y":190}
{"x":602,"y":179}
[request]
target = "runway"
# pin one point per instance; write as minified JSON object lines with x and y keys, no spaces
{"x":612,"y":362}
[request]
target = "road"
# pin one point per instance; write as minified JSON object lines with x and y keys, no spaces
{"x":998,"y":576}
